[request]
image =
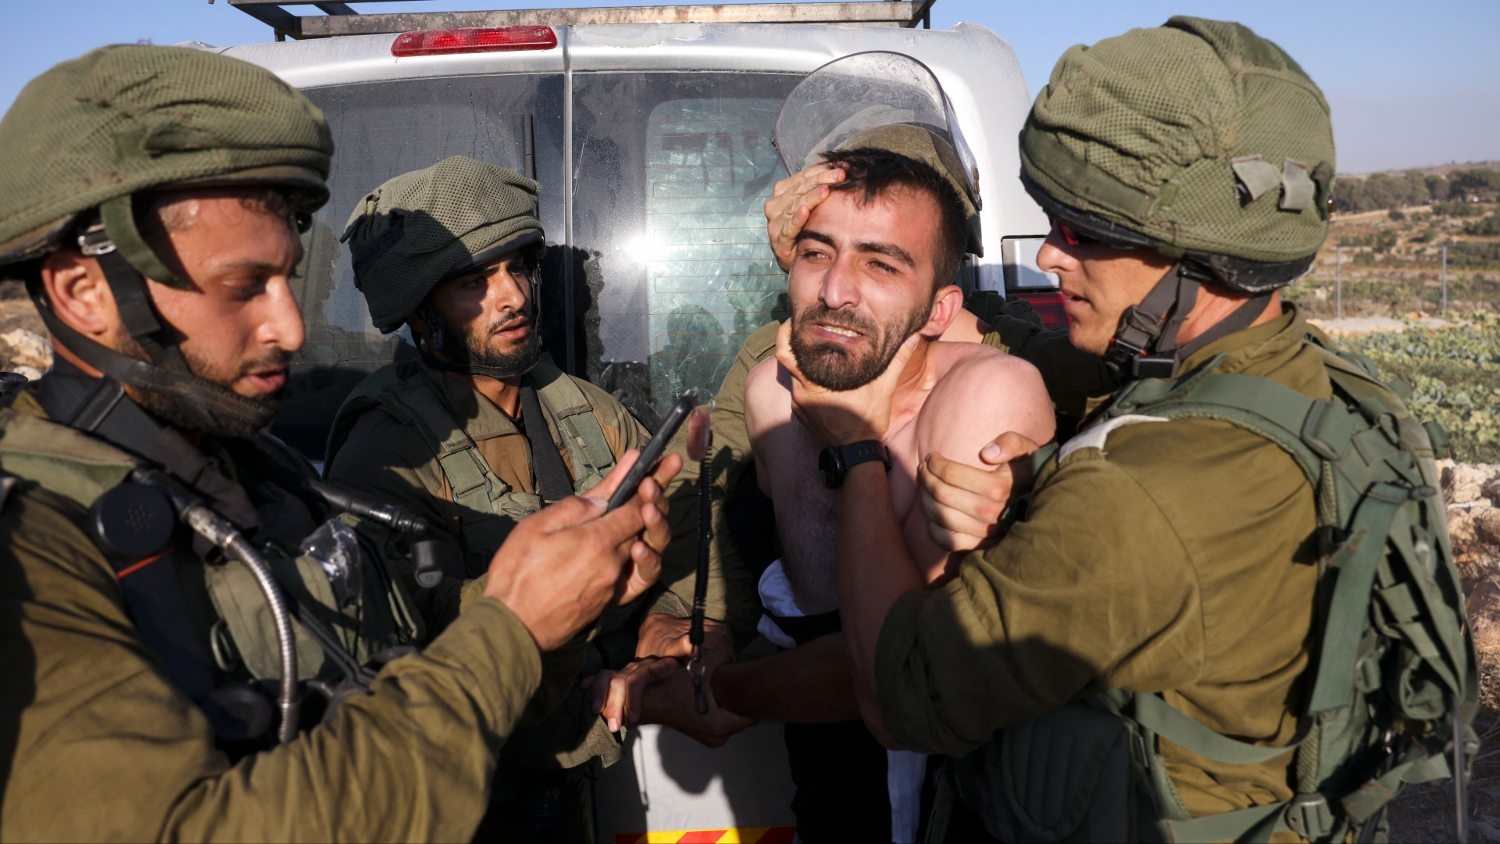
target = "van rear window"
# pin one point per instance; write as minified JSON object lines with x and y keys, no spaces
{"x":650,"y":286}
{"x":382,"y":129}
{"x":673,"y":170}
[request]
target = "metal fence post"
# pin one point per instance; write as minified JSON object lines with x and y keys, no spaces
{"x":1338,"y":282}
{"x":1443,"y":304}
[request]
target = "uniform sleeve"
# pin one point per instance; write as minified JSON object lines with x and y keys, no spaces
{"x":1094,"y":587}
{"x":732,"y":595}
{"x":98,"y":745}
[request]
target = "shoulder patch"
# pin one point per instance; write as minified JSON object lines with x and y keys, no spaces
{"x":1095,"y":436}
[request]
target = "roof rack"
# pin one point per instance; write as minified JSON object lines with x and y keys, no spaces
{"x":339,"y":19}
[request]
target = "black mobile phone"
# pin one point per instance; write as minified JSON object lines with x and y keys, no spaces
{"x":693,"y":403}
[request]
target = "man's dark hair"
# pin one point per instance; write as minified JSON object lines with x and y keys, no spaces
{"x":874,"y":172}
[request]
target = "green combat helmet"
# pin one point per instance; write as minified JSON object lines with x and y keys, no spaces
{"x":424,"y":227}
{"x":1197,"y":139}
{"x":89,"y":138}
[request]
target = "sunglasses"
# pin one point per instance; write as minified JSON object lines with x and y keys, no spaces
{"x":1073,"y":237}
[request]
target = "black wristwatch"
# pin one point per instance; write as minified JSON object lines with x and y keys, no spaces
{"x":835,"y":461}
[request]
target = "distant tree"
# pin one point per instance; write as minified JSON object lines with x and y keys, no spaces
{"x":1349,"y":196}
{"x":1416,"y":188}
{"x":1457,"y":209}
{"x":1396,"y":215}
{"x":1437,"y":187}
{"x":1382,"y":190}
{"x":1480,"y":182}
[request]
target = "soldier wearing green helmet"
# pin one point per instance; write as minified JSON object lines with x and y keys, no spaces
{"x":202,"y":639}
{"x":1189,"y":627}
{"x":479,"y":431}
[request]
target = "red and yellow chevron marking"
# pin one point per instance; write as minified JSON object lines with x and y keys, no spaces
{"x":737,"y":835}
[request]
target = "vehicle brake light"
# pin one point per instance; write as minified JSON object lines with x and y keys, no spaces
{"x":488,"y":39}
{"x":1047,"y":303}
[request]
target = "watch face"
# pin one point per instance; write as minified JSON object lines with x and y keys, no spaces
{"x":830,"y":467}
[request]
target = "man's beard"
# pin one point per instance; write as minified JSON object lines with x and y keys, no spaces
{"x":834,"y":367}
{"x":197,"y":413}
{"x":473,"y":351}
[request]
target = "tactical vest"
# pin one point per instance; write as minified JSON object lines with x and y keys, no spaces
{"x":1393,"y":681}
{"x":340,"y":628}
{"x":489,"y":508}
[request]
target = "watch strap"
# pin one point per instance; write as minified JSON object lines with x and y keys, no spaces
{"x":835,"y":461}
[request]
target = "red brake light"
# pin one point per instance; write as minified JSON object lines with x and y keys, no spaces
{"x":1048,"y":305}
{"x":489,"y":39}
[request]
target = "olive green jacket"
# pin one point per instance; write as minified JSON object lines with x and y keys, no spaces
{"x":96,"y":744}
{"x":387,"y":454}
{"x":1157,"y":556}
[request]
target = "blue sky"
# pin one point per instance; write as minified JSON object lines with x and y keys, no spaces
{"x":1410,"y":84}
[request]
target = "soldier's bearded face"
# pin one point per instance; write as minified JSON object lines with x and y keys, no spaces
{"x":239,"y":324}
{"x":486,"y":319}
{"x":861,"y":282}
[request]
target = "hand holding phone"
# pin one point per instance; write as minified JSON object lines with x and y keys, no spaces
{"x":691,"y":408}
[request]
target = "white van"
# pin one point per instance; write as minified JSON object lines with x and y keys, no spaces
{"x":652,"y":143}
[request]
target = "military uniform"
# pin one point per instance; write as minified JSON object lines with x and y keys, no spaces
{"x":381,"y":446}
{"x":424,"y":432}
{"x":1158,"y":556}
{"x":89,"y":709}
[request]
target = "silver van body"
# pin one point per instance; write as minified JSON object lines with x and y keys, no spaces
{"x":652,"y":143}
{"x":653,"y":146}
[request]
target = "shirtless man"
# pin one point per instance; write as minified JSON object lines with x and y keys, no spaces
{"x":870,"y":271}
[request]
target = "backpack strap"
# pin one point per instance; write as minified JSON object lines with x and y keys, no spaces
{"x":587,"y":449}
{"x":1364,"y":456}
{"x":475,"y":486}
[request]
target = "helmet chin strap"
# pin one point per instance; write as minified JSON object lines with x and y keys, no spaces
{"x":1145,"y":343}
{"x":211,"y":408}
{"x":438,"y":363}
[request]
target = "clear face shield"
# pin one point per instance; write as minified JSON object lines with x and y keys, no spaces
{"x":881,"y":100}
{"x":865,"y":91}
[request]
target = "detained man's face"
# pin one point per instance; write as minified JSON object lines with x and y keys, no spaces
{"x":861,"y":282}
{"x":239,"y":322}
{"x":486,"y":318}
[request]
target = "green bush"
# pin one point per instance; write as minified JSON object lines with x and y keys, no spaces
{"x":1457,"y":209}
{"x":1454,"y":378}
{"x":1473,"y":254}
{"x":1482,"y":228}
